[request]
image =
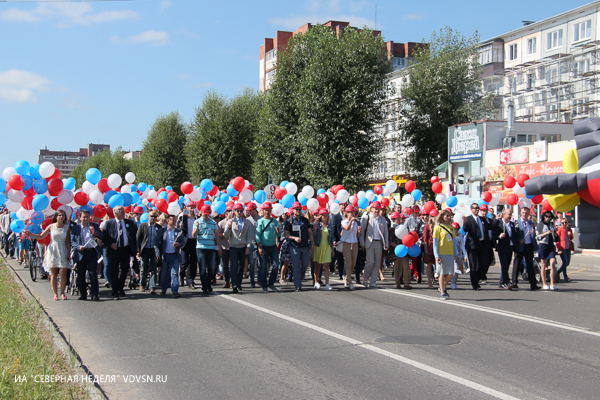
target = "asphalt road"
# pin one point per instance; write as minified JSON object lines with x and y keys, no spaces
{"x":379,"y":343}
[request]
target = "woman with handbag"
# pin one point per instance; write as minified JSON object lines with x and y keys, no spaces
{"x":546,"y":238}
{"x":444,"y":250}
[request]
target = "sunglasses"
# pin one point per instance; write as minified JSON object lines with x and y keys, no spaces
{"x":474,"y":208}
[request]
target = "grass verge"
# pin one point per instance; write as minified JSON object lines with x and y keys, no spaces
{"x":27,"y":352}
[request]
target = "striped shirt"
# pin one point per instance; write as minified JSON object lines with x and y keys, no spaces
{"x":206,"y":233}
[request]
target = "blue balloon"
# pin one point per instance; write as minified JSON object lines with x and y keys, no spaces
{"x":108,"y":195}
{"x":2,"y":185}
{"x":282,"y":184}
{"x":526,"y":195}
{"x":490,"y":215}
{"x":181,"y":200}
{"x":451,"y":201}
{"x":93,"y":175}
{"x":400,"y":250}
{"x":142,"y":187}
{"x":363,"y":202}
{"x":40,"y":186}
{"x":231,"y":191}
{"x":163,"y":195}
{"x":414,"y":250}
{"x":2,"y":199}
{"x":127,"y":199}
{"x":260,"y":196}
{"x":144,"y":218}
{"x":116,"y":200}
{"x":461,"y":231}
{"x":133,"y":188}
{"x":321,"y":191}
{"x":303,"y":200}
{"x":203,"y":193}
{"x":28,"y":182}
{"x":151,"y":187}
{"x":22,"y":167}
{"x":70,"y":184}
{"x":220,"y":207}
{"x":169,"y":188}
{"x":40,"y":202}
{"x":34,"y":171}
{"x":416,"y":194}
{"x":86,"y":207}
{"x":206,"y":185}
{"x":224,"y":197}
{"x":481,"y":202}
{"x":36,"y":217}
{"x":17,"y":226}
{"x":135,"y":196}
{"x":35,"y":229}
{"x":13,"y":215}
{"x":288,"y":200}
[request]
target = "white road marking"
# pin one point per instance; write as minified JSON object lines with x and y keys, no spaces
{"x":375,"y":349}
{"x":503,"y":313}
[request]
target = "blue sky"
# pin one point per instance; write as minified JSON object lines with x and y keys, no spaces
{"x":102,"y":72}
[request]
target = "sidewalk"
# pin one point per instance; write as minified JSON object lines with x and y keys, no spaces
{"x":590,"y":261}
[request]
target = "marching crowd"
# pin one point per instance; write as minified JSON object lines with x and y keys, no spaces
{"x":248,"y":242}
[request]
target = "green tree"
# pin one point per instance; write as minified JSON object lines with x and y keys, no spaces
{"x":317,"y":123}
{"x":442,"y":87}
{"x":163,"y":161}
{"x":222,"y":136}
{"x":108,"y":162}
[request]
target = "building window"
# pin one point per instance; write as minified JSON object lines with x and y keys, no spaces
{"x":554,"y":39}
{"x":271,"y":74}
{"x":581,"y":67}
{"x":271,"y":54}
{"x":512,"y":52}
{"x":531,"y":46}
{"x":582,"y":30}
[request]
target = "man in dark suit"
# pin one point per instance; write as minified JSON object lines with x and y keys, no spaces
{"x":507,"y":235}
{"x":489,"y":242}
{"x":167,"y":244}
{"x":120,"y":239}
{"x":336,"y":223}
{"x":189,"y":259}
{"x":86,"y":241}
{"x":524,"y":249}
{"x":476,"y":230}
{"x":146,"y":236}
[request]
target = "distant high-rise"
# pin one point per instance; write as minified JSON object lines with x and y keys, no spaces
{"x":66,"y":161}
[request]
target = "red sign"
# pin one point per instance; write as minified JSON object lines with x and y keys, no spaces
{"x":537,"y":169}
{"x":517,"y":155}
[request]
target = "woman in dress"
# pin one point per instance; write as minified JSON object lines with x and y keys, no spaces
{"x":57,"y":256}
{"x":285,"y":255}
{"x":546,"y":252}
{"x":349,"y":240}
{"x":443,"y":250}
{"x":323,"y":249}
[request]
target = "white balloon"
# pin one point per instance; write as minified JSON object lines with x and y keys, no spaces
{"x":67,"y":209}
{"x":494,"y":202}
{"x":458,"y":218}
{"x":114,"y":181}
{"x":517,"y":189}
{"x":96,"y":197}
{"x":278,"y":209}
{"x":16,"y":195}
{"x":351,"y":199}
{"x":24,"y":214}
{"x":408,"y":200}
{"x":291,"y":188}
{"x":370,"y":196}
{"x":334,"y":208}
{"x":441,"y":198}
{"x":525,"y":202}
{"x":386,"y":192}
{"x":312,"y":204}
{"x":125,"y":189}
{"x":330,"y":194}
{"x":401,"y":231}
{"x":360,"y":194}
{"x":88,"y":188}
{"x":173,"y":208}
{"x":245,"y":196}
{"x":46,"y":169}
{"x":152,"y":194}
{"x":246,"y":183}
{"x":12,"y":206}
{"x":342,"y":195}
{"x":8,"y":172}
{"x":194,"y":196}
{"x":145,"y":202}
{"x":308,"y":191}
{"x":130,"y":177}
{"x":391,"y":185}
{"x":65,"y":197}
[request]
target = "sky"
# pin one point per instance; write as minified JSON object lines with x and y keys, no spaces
{"x":73,"y":73}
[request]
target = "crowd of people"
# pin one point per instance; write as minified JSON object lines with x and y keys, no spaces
{"x":249,"y":243}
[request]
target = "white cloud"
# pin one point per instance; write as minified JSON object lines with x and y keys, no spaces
{"x":155,"y":38}
{"x":183,"y":77}
{"x":296,"y":22}
{"x":20,"y":86}
{"x":66,"y":14}
{"x":164,"y":4}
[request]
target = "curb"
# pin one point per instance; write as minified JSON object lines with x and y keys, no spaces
{"x":94,"y":390}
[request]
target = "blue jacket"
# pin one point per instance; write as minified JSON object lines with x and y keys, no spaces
{"x":161,"y":240}
{"x":77,"y":240}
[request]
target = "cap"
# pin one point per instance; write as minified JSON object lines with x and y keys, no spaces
{"x":138,"y":210}
{"x":296,"y":205}
{"x":238,"y":206}
{"x":433,"y":213}
{"x":229,"y":207}
{"x":449,"y":209}
{"x":376,"y":204}
{"x":424,"y":212}
{"x":350,"y":209}
{"x":323,"y":212}
{"x":251,"y":206}
{"x":395,"y":215}
{"x":191,"y":204}
{"x":455,"y":225}
{"x":416,"y":208}
{"x":483,"y":207}
{"x":206,"y":209}
{"x":267,"y":206}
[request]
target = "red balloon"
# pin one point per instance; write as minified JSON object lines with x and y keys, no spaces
{"x":81,"y":198}
{"x":16,"y":182}
{"x":45,"y":241}
{"x":117,"y":189}
{"x":30,"y":192}
{"x":239,"y":183}
{"x":521,"y":179}
{"x":323,"y":199}
{"x":162,"y":205}
{"x":537,"y":199}
{"x":415,"y":235}
{"x":434,"y":179}
{"x":546,"y":206}
{"x":355,"y":201}
{"x":187,"y":188}
{"x":408,"y":240}
{"x":46,"y":222}
{"x":103,"y":185}
{"x":199,"y":204}
{"x":509,"y":182}
{"x":335,"y":189}
{"x":512,"y":199}
{"x":487,"y":197}
{"x":280,"y":192}
{"x":160,"y":191}
{"x":55,"y":186}
{"x":99,"y":211}
{"x":213,"y":191}
{"x":26,"y":203}
{"x":109,"y":212}
{"x":385,"y":202}
{"x":172,"y":196}
{"x":407,"y":211}
{"x":55,"y":175}
{"x":55,"y":204}
{"x":378,"y":189}
{"x":430,"y":205}
{"x":127,"y":209}
{"x":250,"y":188}
{"x":410,"y":186}
{"x":437,"y":187}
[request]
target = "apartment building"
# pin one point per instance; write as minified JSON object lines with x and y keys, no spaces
{"x":66,"y":161}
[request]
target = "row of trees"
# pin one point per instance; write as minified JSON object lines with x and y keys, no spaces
{"x":316,"y":123}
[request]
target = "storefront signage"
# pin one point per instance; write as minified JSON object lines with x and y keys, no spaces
{"x":517,"y":155}
{"x":537,"y":169}
{"x":465,"y":142}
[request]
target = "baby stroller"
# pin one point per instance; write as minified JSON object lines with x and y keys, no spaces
{"x":134,"y":281}
{"x":537,"y":269}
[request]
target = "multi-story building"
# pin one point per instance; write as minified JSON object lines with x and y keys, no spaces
{"x":66,"y":161}
{"x":549,"y":69}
